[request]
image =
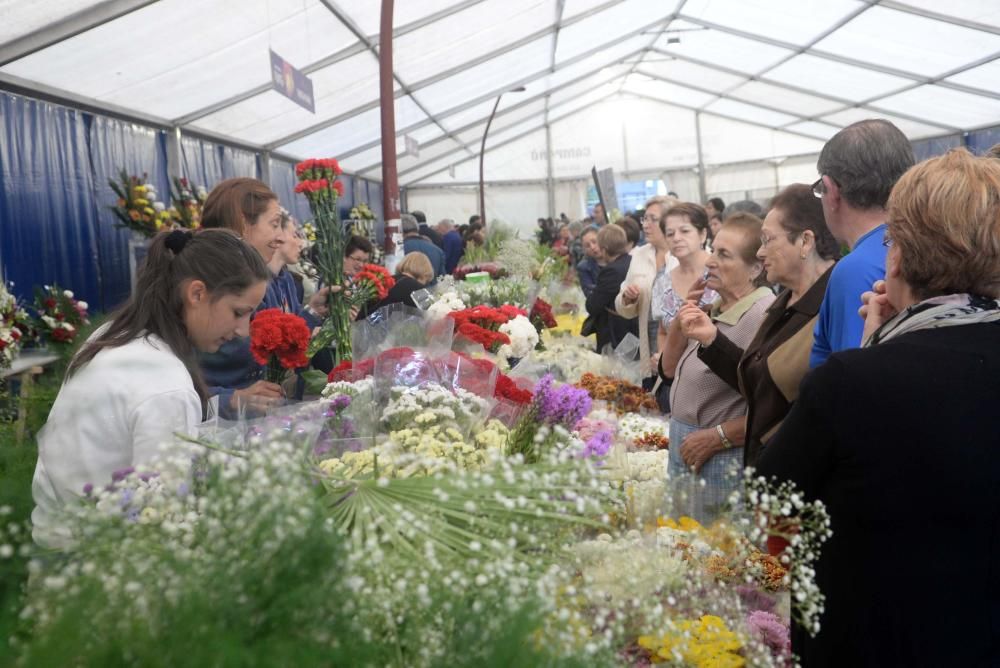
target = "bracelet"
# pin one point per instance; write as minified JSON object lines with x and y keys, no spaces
{"x":726,"y":443}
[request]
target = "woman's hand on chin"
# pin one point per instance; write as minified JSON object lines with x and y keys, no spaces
{"x":875,"y":309}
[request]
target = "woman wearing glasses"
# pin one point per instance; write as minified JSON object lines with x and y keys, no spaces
{"x":641,"y":292}
{"x":798,"y":252}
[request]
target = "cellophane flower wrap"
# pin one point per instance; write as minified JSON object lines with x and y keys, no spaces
{"x":279,"y":341}
{"x":318,"y":182}
{"x":482,"y":324}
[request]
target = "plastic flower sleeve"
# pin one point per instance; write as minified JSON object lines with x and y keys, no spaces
{"x":399,"y":325}
{"x":625,"y":364}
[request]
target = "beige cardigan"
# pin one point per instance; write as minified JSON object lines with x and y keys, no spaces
{"x":641,"y":273}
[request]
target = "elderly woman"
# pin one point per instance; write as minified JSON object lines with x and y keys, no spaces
{"x":610,"y":327}
{"x":798,"y":252}
{"x":899,"y":438}
{"x":641,"y":294}
{"x":709,"y":416}
{"x":412,"y":274}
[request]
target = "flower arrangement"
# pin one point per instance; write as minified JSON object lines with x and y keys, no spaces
{"x":13,"y":323}
{"x":188,"y":202}
{"x":623,"y":396}
{"x":446,"y":303}
{"x":522,"y":336}
{"x":58,"y":314}
{"x":279,"y":341}
{"x":481,"y":324}
{"x":568,"y":358}
{"x":431,"y":404}
{"x":541,"y":315}
{"x":318,"y":181}
{"x":518,"y":257}
{"x":546,"y":425}
{"x":643,"y":433}
{"x":361,"y":211}
{"x":371,"y":282}
{"x":137,"y":208}
{"x":704,"y":643}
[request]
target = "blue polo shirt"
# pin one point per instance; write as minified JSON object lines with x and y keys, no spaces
{"x":839,"y":326}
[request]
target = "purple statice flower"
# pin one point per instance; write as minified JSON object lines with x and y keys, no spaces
{"x":341,"y":401}
{"x":183,"y":490}
{"x":146,"y":476}
{"x":597,"y":445}
{"x":121,"y":474}
{"x":754,"y":599}
{"x":88,"y":489}
{"x":769,"y":628}
{"x":126,"y":497}
{"x":564,"y":405}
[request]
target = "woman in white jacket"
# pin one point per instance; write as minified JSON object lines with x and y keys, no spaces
{"x":136,"y":381}
{"x":635,"y":299}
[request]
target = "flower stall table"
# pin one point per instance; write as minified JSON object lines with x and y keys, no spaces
{"x":24,"y":368}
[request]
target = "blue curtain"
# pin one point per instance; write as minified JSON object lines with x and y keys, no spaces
{"x":116,"y":145}
{"x":283,"y":184}
{"x":238,"y":162}
{"x":981,"y":141}
{"x":201,"y":162}
{"x":48,"y":221}
{"x":374,"y":198}
{"x":929,"y":148}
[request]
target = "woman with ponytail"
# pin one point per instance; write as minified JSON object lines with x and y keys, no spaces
{"x":136,"y":381}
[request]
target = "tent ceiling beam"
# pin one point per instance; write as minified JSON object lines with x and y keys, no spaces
{"x":332,"y":59}
{"x":927,"y":14}
{"x":500,"y":114}
{"x":477,"y":61}
{"x":72,"y":25}
{"x":353,"y":27}
{"x":840,"y":59}
{"x":560,"y":6}
{"x":847,"y":104}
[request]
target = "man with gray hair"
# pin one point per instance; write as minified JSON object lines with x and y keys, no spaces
{"x":858,"y":168}
{"x":451,"y":240}
{"x":413,"y":242}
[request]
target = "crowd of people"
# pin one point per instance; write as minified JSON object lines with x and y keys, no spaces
{"x":846,"y":339}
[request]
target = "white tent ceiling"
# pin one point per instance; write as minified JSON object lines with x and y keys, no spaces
{"x":758,"y":79}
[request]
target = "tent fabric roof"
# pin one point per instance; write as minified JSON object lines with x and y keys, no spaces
{"x":796,"y":69}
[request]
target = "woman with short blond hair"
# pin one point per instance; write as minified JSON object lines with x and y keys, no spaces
{"x":899,"y":439}
{"x":602,"y":319}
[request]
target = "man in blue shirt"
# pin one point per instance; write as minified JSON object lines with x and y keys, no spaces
{"x":451,"y":240}
{"x":858,"y":168}
{"x":413,"y":242}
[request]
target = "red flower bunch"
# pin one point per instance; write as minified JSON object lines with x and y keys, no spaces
{"x":317,"y":166}
{"x":58,"y":314}
{"x":481,"y":324}
{"x":279,"y":341}
{"x":372,"y":281}
{"x":541,"y":315}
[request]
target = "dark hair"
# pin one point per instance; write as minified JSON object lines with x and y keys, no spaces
{"x":473,"y":219}
{"x":717,"y":204}
{"x":358,"y":243}
{"x":804,"y":211}
{"x":220,"y":259}
{"x":743,"y":206}
{"x":419,"y":215}
{"x":235,"y":203}
{"x":866,"y":159}
{"x":632,"y":229}
{"x":749,"y":226}
{"x":695,"y":213}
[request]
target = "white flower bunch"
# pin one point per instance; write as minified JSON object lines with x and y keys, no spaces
{"x":445,"y":304}
{"x":518,"y":256}
{"x":570,"y":358}
{"x":358,"y":390}
{"x":430,"y":405}
{"x":523,"y":338}
{"x":633,"y":426}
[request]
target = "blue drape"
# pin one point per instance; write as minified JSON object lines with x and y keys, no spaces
{"x":238,"y":162}
{"x":116,"y":145}
{"x":981,"y":141}
{"x":929,"y":148}
{"x":48,"y":221}
{"x":201,"y":162}
{"x":283,"y":184}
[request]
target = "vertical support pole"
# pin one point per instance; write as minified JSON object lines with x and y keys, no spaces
{"x":387,"y":102}
{"x":265,"y":168}
{"x":702,"y":192}
{"x":482,"y":155}
{"x":174,"y":162}
{"x":550,"y":185}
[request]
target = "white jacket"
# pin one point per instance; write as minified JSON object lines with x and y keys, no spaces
{"x":641,"y":273}
{"x":111,"y":414}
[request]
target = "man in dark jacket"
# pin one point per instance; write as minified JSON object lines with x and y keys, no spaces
{"x":426,"y":230}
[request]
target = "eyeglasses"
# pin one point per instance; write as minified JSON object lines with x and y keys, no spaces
{"x":765,"y":240}
{"x":355,"y":258}
{"x":819,"y":188}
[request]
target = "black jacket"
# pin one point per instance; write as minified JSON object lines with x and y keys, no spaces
{"x":610,"y":327}
{"x":901,"y":443}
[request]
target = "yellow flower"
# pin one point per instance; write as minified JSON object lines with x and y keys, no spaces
{"x":706,"y":643}
{"x":684,"y":524}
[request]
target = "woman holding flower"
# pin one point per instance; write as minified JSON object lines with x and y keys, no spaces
{"x":798,"y":252}
{"x":249,"y":208}
{"x":898,"y":439}
{"x":136,"y":381}
{"x":708,"y":416}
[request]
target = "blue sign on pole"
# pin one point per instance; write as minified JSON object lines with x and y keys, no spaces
{"x":292,"y":83}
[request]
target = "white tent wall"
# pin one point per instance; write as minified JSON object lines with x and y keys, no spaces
{"x":519,"y":206}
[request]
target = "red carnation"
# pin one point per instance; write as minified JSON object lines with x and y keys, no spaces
{"x":339,"y":187}
{"x":279,"y":340}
